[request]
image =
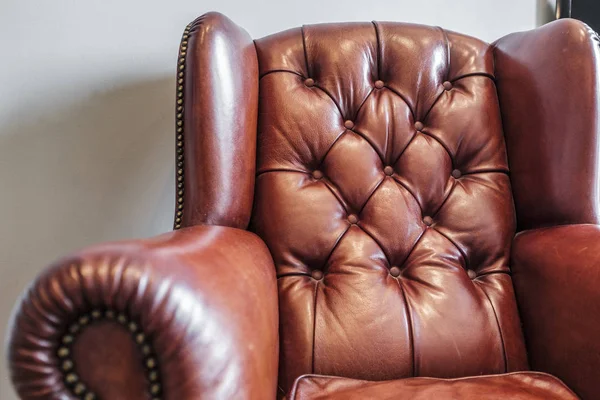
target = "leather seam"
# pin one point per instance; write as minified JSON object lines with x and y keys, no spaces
{"x":505,"y":359}
{"x":409,"y":321}
{"x":314,"y":333}
{"x":379,"y":50}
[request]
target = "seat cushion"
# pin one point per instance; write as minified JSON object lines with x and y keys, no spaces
{"x":518,"y":385}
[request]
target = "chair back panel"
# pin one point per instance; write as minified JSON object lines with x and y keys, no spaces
{"x":382,"y":191}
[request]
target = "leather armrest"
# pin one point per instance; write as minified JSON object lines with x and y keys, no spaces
{"x":556,"y":273}
{"x":186,"y":315}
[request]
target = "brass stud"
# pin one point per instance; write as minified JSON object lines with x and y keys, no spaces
{"x":177,"y":226}
{"x":67,"y":339}
{"x":96,"y":314}
{"x":122,"y":318}
{"x":179,"y":213}
{"x":146,"y":350}
{"x":133,"y":326}
{"x":63,"y":352}
{"x":179,"y":116}
{"x":180,"y":157}
{"x":79,"y":389}
{"x":153,"y":376}
{"x":180,"y":200}
{"x":177,"y":220}
{"x":181,"y":66}
{"x":179,"y":108}
{"x":155,"y":388}
{"x":180,"y":207}
{"x":67,"y":365}
{"x":74,"y":328}
{"x":179,"y":94}
{"x":84,"y":320}
{"x":110,"y":314}
{"x":140,"y":338}
{"x":179,"y":123}
{"x":179,"y":137}
{"x":181,"y":74}
{"x":150,"y":362}
{"x":89,"y":396}
{"x":71,"y":378}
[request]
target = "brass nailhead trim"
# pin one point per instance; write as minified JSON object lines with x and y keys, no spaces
{"x":179,"y":125}
{"x":71,"y":379}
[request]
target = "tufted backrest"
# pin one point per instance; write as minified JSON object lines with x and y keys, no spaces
{"x":382,"y":191}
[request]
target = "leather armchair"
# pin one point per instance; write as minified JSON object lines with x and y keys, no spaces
{"x":364,"y":210}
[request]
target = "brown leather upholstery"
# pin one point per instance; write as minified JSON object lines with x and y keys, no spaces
{"x":516,"y":385}
{"x":557,"y":280}
{"x":370,"y":160}
{"x":549,"y":86}
{"x":412,"y":193}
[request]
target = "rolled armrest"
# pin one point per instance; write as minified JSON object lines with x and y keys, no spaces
{"x":186,"y":315}
{"x":556,"y":273}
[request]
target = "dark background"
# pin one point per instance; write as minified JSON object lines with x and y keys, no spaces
{"x":588,"y":11}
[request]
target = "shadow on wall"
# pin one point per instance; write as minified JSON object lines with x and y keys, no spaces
{"x":545,"y":11}
{"x":95,"y":170}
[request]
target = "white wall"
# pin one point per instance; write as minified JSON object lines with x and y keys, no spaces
{"x":86,"y":111}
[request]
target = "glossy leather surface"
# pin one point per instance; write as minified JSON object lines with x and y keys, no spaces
{"x":548,"y":83}
{"x":521,"y":385}
{"x":205,"y":295}
{"x":219,"y":127}
{"x":370,"y":159}
{"x":383,"y":195}
{"x":557,"y":280}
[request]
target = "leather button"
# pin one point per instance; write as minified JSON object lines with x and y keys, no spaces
{"x":317,"y":174}
{"x":447,"y":85}
{"x":349,"y":124}
{"x":456,"y":173}
{"x":395,"y":272}
{"x":310,"y":82}
{"x":419,"y":126}
{"x":353,"y":219}
{"x":378,"y":84}
{"x":472,"y":274}
{"x":428,"y":220}
{"x":388,"y":170}
{"x":317,"y":275}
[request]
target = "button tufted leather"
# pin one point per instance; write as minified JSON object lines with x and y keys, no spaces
{"x":353,"y":219}
{"x":391,"y":154}
{"x":309,"y":82}
{"x":317,"y":275}
{"x":317,"y":174}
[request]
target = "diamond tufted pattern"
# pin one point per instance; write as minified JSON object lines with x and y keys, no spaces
{"x":382,"y":192}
